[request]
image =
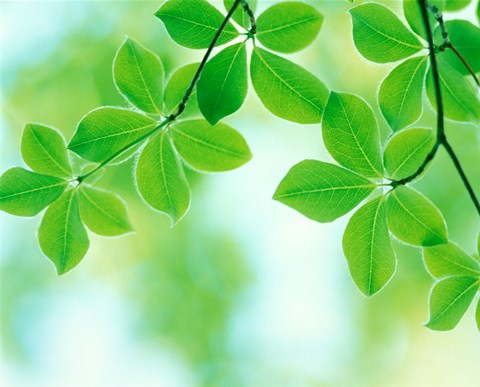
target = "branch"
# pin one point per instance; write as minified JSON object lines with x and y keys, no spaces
{"x":253,"y":21}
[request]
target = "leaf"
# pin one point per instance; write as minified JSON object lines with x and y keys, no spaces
{"x":322,"y":191}
{"x":44,"y":150}
{"x":350,"y":134}
{"x":448,"y":260}
{"x":223,"y":86}
{"x":380,"y":36}
{"x":465,"y":37}
{"x":176,"y":88}
{"x":449,"y":300}
{"x":25,"y":193}
{"x":240,"y":16}
{"x":161,"y":179}
{"x":194,"y":23}
{"x":367,"y":247}
{"x":288,"y":27}
{"x":400,"y":95}
{"x":414,"y":219}
{"x":460,"y":99}
{"x":406,"y":151}
{"x":411,"y":9}
{"x":477,"y":313}
{"x":62,"y":236}
{"x":210,"y":148}
{"x":103,"y":212}
{"x":456,"y":5}
{"x":286,"y":89}
{"x":138,"y":74}
{"x":105,"y":131}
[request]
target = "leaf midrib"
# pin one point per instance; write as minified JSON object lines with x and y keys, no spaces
{"x":285,"y":26}
{"x":327,"y":189}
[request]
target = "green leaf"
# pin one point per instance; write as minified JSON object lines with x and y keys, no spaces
{"x":194,"y":23}
{"x":161,"y":179}
{"x":104,"y":132}
{"x":448,"y":260}
{"x":406,"y":151}
{"x":103,"y":212}
{"x":286,"y":89}
{"x":322,"y":191}
{"x":367,"y":247}
{"x":477,"y":313}
{"x":411,"y":9}
{"x":210,"y":148}
{"x":223,"y":86}
{"x":176,"y":88}
{"x":62,"y":236}
{"x":400,"y":95}
{"x":456,"y":5}
{"x":460,"y":99}
{"x":350,"y":134}
{"x":465,"y":37}
{"x":380,"y":36}
{"x":240,"y":16}
{"x":138,"y":74}
{"x":289,"y":26}
{"x":449,"y":300}
{"x":25,"y":193}
{"x":44,"y":150}
{"x":414,"y":219}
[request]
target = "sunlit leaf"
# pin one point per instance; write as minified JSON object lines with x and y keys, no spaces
{"x":477,"y":313}
{"x":448,"y":260}
{"x":62,"y":236}
{"x":350,"y":134}
{"x":411,"y":9}
{"x":176,"y":87}
{"x":210,"y":148}
{"x":322,"y":191}
{"x":26,"y":193}
{"x":367,"y":247}
{"x":455,"y":5}
{"x":240,"y":16}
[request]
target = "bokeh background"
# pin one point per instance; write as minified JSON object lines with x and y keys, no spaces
{"x":244,"y":291}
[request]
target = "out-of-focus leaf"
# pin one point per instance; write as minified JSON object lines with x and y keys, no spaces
{"x":411,"y":10}
{"x":176,"y":88}
{"x":240,"y":16}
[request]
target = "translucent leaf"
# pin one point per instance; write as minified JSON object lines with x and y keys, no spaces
{"x":25,"y":193}
{"x":105,"y":131}
{"x":411,"y":9}
{"x":350,"y":134}
{"x":62,"y":236}
{"x":380,"y":36}
{"x":194,"y":23}
{"x":322,"y":191}
{"x":289,"y":26}
{"x":406,"y":151}
{"x":240,"y":16}
{"x":44,"y":150}
{"x":103,"y":212}
{"x":176,"y":88}
{"x":161,"y":179}
{"x":450,"y":259}
{"x":449,"y":300}
{"x":401,"y":92}
{"x":460,"y":98}
{"x":455,"y":5}
{"x":286,"y":89}
{"x":367,"y":247}
{"x":477,"y":313}
{"x":465,"y":37}
{"x":414,"y":219}
{"x":210,"y":148}
{"x":223,"y":86}
{"x":138,"y":74}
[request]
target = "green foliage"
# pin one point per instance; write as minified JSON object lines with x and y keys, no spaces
{"x":286,"y":89}
{"x":44,"y":150}
{"x":411,"y":10}
{"x":62,"y":236}
{"x":455,"y":5}
{"x":400,"y":96}
{"x":288,"y":27}
{"x":210,"y":148}
{"x":176,"y":87}
{"x":223,"y":86}
{"x":477,"y":313}
{"x":194,"y":23}
{"x":26,"y":193}
{"x":414,"y":219}
{"x":139,"y":74}
{"x":449,"y":260}
{"x":240,"y":16}
{"x":406,"y":151}
{"x":350,"y":134}
{"x":380,"y":36}
{"x":367,"y":247}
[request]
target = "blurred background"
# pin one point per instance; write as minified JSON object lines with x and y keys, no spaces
{"x":244,"y":291}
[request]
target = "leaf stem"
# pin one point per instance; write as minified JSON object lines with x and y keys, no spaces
{"x":253,"y":21}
